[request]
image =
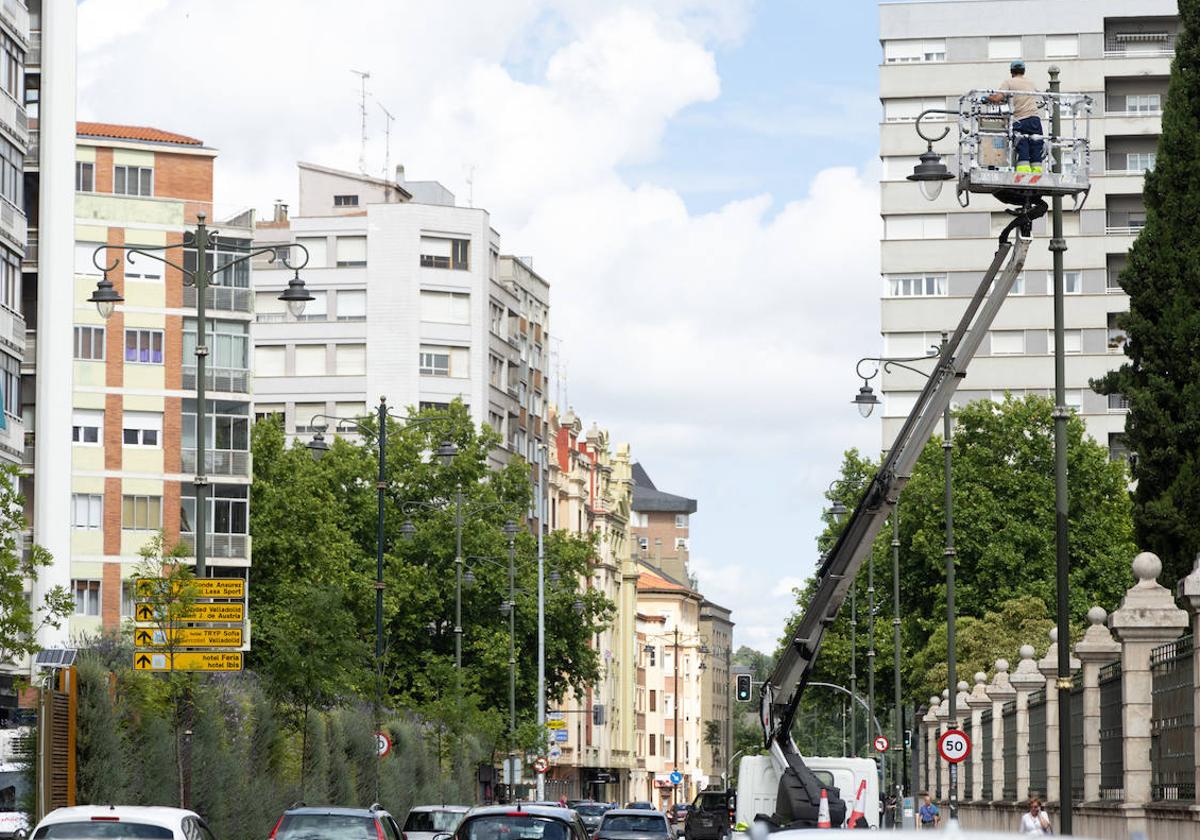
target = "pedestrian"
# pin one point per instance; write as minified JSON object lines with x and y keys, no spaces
{"x":1036,"y":821}
{"x":930,"y":815}
{"x":1018,"y":91}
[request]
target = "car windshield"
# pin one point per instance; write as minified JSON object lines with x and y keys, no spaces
{"x":106,"y":829}
{"x":590,"y":809}
{"x":326,"y":827}
{"x":631,"y":822}
{"x":432,"y":821}
{"x":514,"y":827}
{"x":711,"y":802}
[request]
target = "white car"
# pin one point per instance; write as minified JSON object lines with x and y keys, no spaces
{"x":424,"y":822}
{"x":122,"y":822}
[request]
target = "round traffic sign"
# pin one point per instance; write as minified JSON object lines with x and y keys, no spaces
{"x":676,"y":777}
{"x":954,"y":745}
{"x":383,"y":743}
{"x":541,"y":765}
{"x":881,"y":744}
{"x":555,"y":752}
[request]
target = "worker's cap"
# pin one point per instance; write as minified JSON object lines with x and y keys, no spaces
{"x":1017,"y":65}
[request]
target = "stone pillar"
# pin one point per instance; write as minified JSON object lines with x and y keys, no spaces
{"x":1189,"y":590}
{"x":1025,"y":680}
{"x":977,"y":701}
{"x":943,"y":723}
{"x":929,"y":727}
{"x":999,"y":692}
{"x":1146,"y":618}
{"x":1096,"y":649}
{"x":1048,"y":665}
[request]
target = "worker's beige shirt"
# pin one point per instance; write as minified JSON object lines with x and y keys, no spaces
{"x":1022,"y":106}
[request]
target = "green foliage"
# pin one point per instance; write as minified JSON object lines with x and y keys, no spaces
{"x":102,"y":776}
{"x":1161,"y":378}
{"x":22,"y":619}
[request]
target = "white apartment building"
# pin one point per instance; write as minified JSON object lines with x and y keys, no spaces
{"x":934,"y":254}
{"x":413,"y":302}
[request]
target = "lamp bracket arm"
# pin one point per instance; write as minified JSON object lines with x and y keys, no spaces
{"x":945,"y":130}
{"x":140,"y":250}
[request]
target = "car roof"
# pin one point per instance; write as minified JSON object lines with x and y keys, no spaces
{"x":556,"y":811}
{"x":153,"y":814}
{"x":335,"y":811}
{"x":633,"y":812}
{"x":457,"y":809}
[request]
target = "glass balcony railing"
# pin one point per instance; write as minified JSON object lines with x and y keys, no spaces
{"x":218,"y":462}
{"x":224,"y":298}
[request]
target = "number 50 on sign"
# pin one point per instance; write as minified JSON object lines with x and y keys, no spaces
{"x":954,"y":745}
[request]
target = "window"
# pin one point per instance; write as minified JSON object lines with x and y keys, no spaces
{"x":222,"y":253}
{"x":435,"y":362}
{"x":133,"y":180}
{"x":11,"y":62}
{"x":1072,"y":341}
{"x":10,"y":281}
{"x":1118,"y":448}
{"x":916,"y":226}
{"x":85,"y":176}
{"x":653,"y":750}
{"x":445,"y":307}
{"x":907,"y":110}
{"x":653,"y":700}
{"x":141,"y":513}
{"x":1147,"y":103}
{"x":898,"y":167}
{"x":89,"y":343}
{"x":681,"y":520}
{"x":496,"y":315}
{"x":345,"y":201}
{"x":1073,"y":399}
{"x":12,"y":179}
{"x":228,"y":425}
{"x":310,"y":360}
{"x":1008,"y":342}
{"x":1072,"y":282}
{"x":87,"y":426}
{"x":1116,"y":335}
{"x":141,"y":428}
{"x":128,"y":598}
{"x":87,"y":596}
{"x":273,"y":413}
{"x":269,"y":361}
{"x":999,"y":48}
{"x":912,"y":344}
{"x":83,"y":257}
{"x":228,"y":509}
{"x":145,"y":347}
{"x":352,"y":305}
{"x":919,"y":285}
{"x":1118,"y":402}
{"x":316,"y":309}
{"x":350,"y":409}
{"x":307,"y":419}
{"x":350,"y":359}
{"x":440,"y":252}
{"x":351,"y":251}
{"x":87,"y":510}
{"x":1062,"y":46}
{"x":496,"y":371}
{"x":1140,"y":161}
{"x":652,"y":656}
{"x":228,"y":344}
{"x":315,"y":245}
{"x":906,"y":51}
{"x":268,"y":308}
{"x":10,"y":385}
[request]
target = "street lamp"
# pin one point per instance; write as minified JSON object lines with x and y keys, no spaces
{"x":106,"y":297}
{"x":886,"y":364}
{"x":510,"y":531}
{"x":930,"y":173}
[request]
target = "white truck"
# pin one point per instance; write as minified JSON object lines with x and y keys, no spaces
{"x":758,"y":785}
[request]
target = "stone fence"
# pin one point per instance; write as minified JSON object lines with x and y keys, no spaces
{"x":1135,"y":701}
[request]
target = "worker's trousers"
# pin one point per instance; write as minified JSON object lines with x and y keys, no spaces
{"x":1028,"y":149}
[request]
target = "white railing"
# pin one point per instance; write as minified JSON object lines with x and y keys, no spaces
{"x":233,"y":380}
{"x":1123,"y":230}
{"x":218,"y":545}
{"x":218,"y":462}
{"x":223,"y":298}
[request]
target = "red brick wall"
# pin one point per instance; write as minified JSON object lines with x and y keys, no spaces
{"x":112,"y":516}
{"x":110,"y":597}
{"x":187,"y":177}
{"x":104,"y":170}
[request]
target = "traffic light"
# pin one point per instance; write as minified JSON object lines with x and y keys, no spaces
{"x":743,"y":687}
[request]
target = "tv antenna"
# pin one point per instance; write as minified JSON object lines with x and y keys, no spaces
{"x":387,"y":140}
{"x":471,"y":185}
{"x":363,"y":75}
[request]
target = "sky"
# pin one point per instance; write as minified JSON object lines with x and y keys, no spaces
{"x":697,"y":179}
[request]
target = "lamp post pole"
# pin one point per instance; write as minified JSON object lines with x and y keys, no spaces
{"x":511,"y":530}
{"x":897,"y":686}
{"x":541,"y":596}
{"x":201,"y":479}
{"x":853,"y":664}
{"x":1058,"y":246}
{"x":675,"y":744}
{"x":949,"y":553}
{"x":458,"y":574}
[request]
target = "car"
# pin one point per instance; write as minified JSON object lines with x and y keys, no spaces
{"x":122,"y":822}
{"x":520,"y":821}
{"x":678,"y":812}
{"x":300,"y":822}
{"x":640,"y":806}
{"x":634,"y":824}
{"x":425,"y":821}
{"x":591,"y":813}
{"x":710,"y":816}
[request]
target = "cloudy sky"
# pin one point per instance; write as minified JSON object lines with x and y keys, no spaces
{"x":696,"y":179}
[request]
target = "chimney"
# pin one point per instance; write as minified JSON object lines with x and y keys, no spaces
{"x":399,"y":173}
{"x":280,"y":211}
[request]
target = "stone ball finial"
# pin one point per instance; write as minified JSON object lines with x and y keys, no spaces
{"x":1027,"y":652}
{"x":1147,"y":566}
{"x":980,"y":678}
{"x":1053,"y":635}
{"x":1096,"y":616}
{"x":962,"y":685}
{"x":934,"y":700}
{"x":945,"y":693}
{"x":1002,"y":665}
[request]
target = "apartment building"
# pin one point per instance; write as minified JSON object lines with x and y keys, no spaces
{"x":659,"y":525}
{"x":590,"y":490}
{"x":133,"y":410}
{"x":414,"y":301}
{"x":933,"y":254}
{"x":716,"y":692}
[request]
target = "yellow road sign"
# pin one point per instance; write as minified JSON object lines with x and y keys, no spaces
{"x":556,"y":723}
{"x":205,"y":587}
{"x":199,"y":637}
{"x":192,"y":660}
{"x":197,"y":612}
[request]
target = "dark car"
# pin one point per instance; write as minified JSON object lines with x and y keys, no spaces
{"x":639,"y":806}
{"x":303,"y":823}
{"x":521,"y":821}
{"x":634,"y":824}
{"x":710,"y":816}
{"x":591,"y":813}
{"x":678,"y":812}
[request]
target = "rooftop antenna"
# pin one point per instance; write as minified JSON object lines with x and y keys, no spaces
{"x":363,"y":75}
{"x":387,"y":140}
{"x":471,"y":185}
{"x":560,"y":376}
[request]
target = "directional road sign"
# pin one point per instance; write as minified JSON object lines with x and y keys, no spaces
{"x":555,"y":752}
{"x":954,"y":745}
{"x":676,"y":777}
{"x":189,"y":637}
{"x":556,"y":723}
{"x":203,"y":587}
{"x":197,"y":612}
{"x":192,"y":660}
{"x":881,"y":744}
{"x":560,"y":736}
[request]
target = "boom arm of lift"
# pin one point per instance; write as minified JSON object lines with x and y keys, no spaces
{"x":799,"y":794}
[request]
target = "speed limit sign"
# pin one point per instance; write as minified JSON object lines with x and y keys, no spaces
{"x":954,"y":745}
{"x":881,"y":744}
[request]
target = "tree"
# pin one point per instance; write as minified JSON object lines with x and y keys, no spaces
{"x":1161,"y":379}
{"x":22,"y":619}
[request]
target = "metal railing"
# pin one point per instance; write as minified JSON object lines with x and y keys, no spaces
{"x":224,"y":298}
{"x":219,"y":545}
{"x":218,"y":462}
{"x":270,"y":317}
{"x":31,"y":152}
{"x":230,"y":380}
{"x":1112,"y":756}
{"x":1037,"y":742}
{"x":30,"y":360}
{"x":985,"y":753}
{"x":1138,"y":44}
{"x":1009,"y":791}
{"x":1172,"y":740}
{"x":1076,"y":737}
{"x":33,"y":58}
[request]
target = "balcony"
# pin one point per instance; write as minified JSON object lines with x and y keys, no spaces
{"x":218,"y":462}
{"x":27,"y":459}
{"x":33,"y":58}
{"x":220,"y":545}
{"x":222,"y":298}
{"x":29,"y":362}
{"x":231,"y":380}
{"x":29,"y":261}
{"x":1137,"y":44}
{"x":32,"y":149}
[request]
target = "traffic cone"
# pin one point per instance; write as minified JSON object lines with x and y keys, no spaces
{"x":823,"y":813}
{"x":860,"y":805}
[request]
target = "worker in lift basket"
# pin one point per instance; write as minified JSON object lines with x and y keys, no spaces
{"x":1019,"y":90}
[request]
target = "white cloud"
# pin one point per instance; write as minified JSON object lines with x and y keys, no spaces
{"x":720,"y":344}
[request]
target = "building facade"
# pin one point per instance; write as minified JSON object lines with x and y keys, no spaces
{"x":934,"y":254}
{"x":660,"y":526}
{"x":716,"y":692}
{"x":414,"y":301}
